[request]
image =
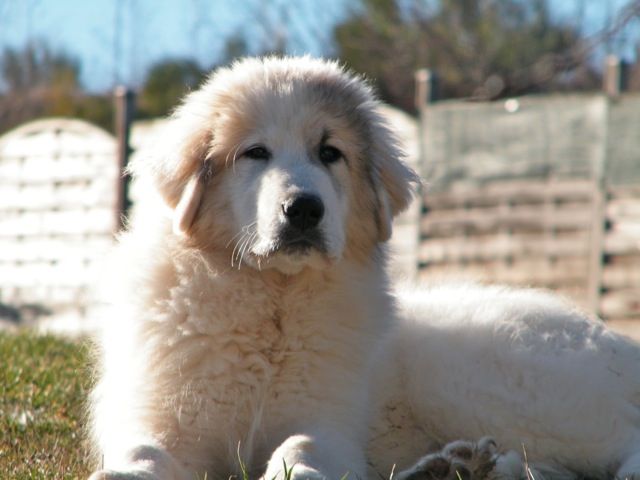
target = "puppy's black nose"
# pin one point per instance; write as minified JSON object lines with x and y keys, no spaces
{"x":304,"y":212}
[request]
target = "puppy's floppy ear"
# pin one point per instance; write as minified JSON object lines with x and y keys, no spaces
{"x":185,"y":212}
{"x":179,"y":168}
{"x":395,"y":183}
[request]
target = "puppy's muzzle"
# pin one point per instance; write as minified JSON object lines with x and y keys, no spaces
{"x":303,"y":212}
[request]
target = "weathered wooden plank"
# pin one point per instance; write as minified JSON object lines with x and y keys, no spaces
{"x":629,"y":227}
{"x":565,"y":272}
{"x":495,"y":247}
{"x":621,"y":275}
{"x":38,"y":273}
{"x":621,"y":242}
{"x":31,"y":293}
{"x":89,"y":221}
{"x":443,"y":223}
{"x":513,"y":191}
{"x":621,"y":303}
{"x":17,"y":225}
{"x":629,"y":326}
{"x":58,"y":195}
{"x":624,"y":191}
{"x":49,"y":249}
{"x":622,"y":209}
{"x":10,"y":170}
{"x":93,"y":220}
{"x":34,"y":170}
{"x":65,"y":295}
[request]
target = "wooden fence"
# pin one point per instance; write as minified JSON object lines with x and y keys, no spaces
{"x":565,"y":235}
{"x":58,"y":182}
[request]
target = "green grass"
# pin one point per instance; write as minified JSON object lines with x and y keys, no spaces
{"x":44,"y":383}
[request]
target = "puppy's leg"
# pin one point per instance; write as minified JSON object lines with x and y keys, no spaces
{"x":459,"y":460}
{"x":145,"y":462}
{"x":315,"y":457}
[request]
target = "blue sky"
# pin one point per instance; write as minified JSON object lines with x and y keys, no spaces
{"x":154,"y":29}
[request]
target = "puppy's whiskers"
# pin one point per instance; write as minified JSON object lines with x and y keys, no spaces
{"x":241,"y":246}
{"x":250,"y":243}
{"x":244,"y":238}
{"x":235,"y":254}
{"x":245,"y":244}
{"x":243,"y":231}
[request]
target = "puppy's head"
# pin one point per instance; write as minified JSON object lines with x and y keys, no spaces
{"x":282,"y":163}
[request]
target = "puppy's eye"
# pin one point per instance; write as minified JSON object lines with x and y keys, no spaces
{"x":329,"y":154}
{"x":257,"y":153}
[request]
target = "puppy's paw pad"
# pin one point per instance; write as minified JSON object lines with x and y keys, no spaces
{"x":430,"y":467}
{"x":459,"y":449}
{"x":459,"y":460}
{"x":485,"y":457}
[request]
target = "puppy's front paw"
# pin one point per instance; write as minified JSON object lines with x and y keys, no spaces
{"x":116,"y":475}
{"x":296,"y":472}
{"x":459,"y":460}
{"x":301,"y":472}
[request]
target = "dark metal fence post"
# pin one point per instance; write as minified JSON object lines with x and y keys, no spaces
{"x":425,"y":88}
{"x":615,"y":76}
{"x":124,"y":105}
{"x":425,"y":93}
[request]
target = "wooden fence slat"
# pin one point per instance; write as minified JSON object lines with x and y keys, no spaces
{"x":561,"y":274}
{"x":46,"y":223}
{"x":622,"y":243}
{"x":620,"y":276}
{"x":52,"y":196}
{"x":514,"y":191}
{"x":52,"y":248}
{"x":504,"y":247}
{"x":621,"y":209}
{"x":438,"y":223}
{"x":622,"y":303}
{"x":39,"y":273}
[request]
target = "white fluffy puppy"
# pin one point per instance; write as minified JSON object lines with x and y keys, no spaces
{"x":253,"y":330}
{"x":250,"y":314}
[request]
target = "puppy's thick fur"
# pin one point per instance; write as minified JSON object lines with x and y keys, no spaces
{"x":253,"y":326}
